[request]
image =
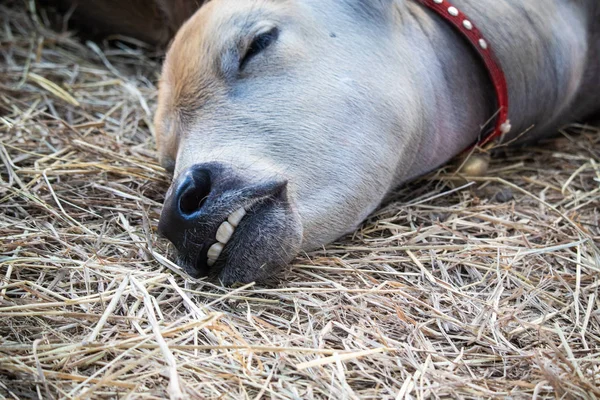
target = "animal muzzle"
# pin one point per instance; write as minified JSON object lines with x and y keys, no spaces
{"x":227,"y":226}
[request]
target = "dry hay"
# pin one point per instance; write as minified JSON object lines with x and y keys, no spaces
{"x":483,"y":290}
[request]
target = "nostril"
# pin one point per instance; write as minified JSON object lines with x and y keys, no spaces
{"x":191,"y":201}
{"x":194,"y":194}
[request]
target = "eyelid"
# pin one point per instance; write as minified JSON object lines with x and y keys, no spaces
{"x":268,"y":35}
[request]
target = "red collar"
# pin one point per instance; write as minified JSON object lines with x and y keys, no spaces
{"x":458,"y":20}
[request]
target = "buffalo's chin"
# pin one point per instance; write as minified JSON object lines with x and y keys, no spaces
{"x":263,"y":244}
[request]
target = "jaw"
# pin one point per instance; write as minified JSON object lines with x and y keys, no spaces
{"x":269,"y":242}
{"x":264,"y":243}
{"x":329,"y":217}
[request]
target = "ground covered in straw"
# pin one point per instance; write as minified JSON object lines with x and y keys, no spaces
{"x":480,"y":290}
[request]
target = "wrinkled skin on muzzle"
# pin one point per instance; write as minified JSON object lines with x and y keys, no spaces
{"x":286,"y":122}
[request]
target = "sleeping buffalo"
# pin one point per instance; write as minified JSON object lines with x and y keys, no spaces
{"x":286,"y":122}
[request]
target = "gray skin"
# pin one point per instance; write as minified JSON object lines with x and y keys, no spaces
{"x":352,"y":99}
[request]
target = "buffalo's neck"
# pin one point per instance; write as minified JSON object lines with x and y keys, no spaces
{"x":542,"y":51}
{"x":457,"y":96}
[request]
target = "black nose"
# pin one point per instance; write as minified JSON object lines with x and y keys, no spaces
{"x":186,"y":199}
{"x":206,"y":207}
{"x":196,"y":200}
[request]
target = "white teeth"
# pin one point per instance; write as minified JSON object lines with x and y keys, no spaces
{"x":224,"y":232}
{"x":223,"y":235}
{"x":214,"y":252}
{"x":236,"y":216}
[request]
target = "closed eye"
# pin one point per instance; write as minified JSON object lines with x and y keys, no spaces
{"x":259,"y":43}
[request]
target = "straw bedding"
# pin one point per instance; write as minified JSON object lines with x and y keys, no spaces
{"x":485,"y":288}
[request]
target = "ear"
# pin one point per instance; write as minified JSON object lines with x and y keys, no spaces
{"x":373,"y":9}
